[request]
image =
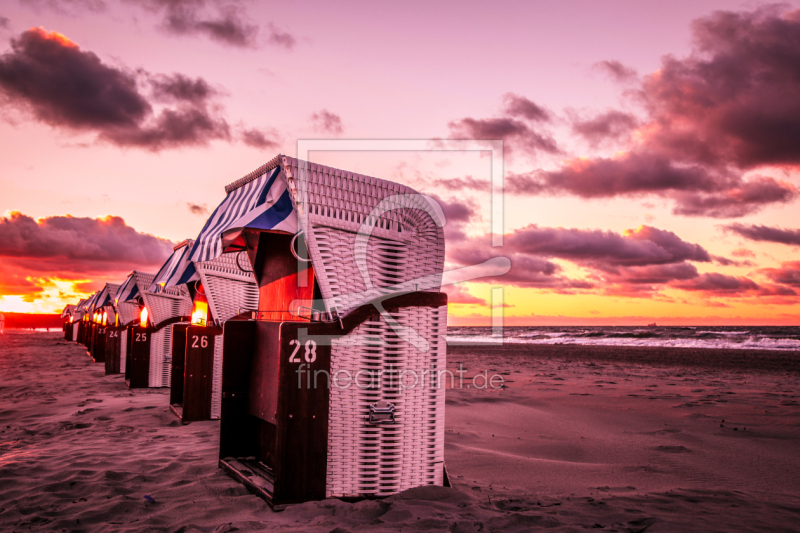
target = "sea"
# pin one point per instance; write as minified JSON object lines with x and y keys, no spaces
{"x":728,"y":337}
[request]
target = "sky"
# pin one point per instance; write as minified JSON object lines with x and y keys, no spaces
{"x":650,"y":149}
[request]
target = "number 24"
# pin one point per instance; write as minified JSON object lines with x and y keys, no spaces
{"x":311,"y":351}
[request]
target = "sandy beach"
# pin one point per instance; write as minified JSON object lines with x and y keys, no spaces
{"x":578,"y":438}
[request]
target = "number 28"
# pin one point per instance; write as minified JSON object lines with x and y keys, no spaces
{"x":311,"y":351}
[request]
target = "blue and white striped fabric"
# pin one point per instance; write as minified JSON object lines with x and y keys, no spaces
{"x":264,"y":203}
{"x":173,"y":270}
{"x":103,"y":297}
{"x":128,"y":291}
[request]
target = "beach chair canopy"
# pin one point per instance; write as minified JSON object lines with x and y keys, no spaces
{"x":128,"y":295}
{"x":178,"y":269}
{"x":107,"y":295}
{"x":366,"y":237}
{"x":68,"y":311}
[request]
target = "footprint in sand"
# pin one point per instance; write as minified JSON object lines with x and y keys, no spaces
{"x":673,"y":449}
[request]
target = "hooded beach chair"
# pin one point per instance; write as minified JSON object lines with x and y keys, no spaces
{"x":149,"y":339}
{"x":77,"y":319}
{"x":102,"y":309}
{"x":220,"y":289}
{"x":89,"y":320}
{"x":67,"y":315}
{"x":358,"y":295}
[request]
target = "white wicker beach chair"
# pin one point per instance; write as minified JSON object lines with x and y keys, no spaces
{"x":368,"y":240}
{"x":227,"y":289}
{"x":163,"y":309}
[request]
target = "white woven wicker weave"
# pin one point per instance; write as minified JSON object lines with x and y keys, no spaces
{"x":401,"y":240}
{"x":123,"y":350}
{"x":368,"y":238}
{"x":228,"y":290}
{"x":172,"y":302}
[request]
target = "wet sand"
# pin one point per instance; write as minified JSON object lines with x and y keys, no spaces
{"x":578,"y":438}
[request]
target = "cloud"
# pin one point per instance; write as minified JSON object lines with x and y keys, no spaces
{"x":643,"y":246}
{"x":617,"y":71}
{"x":756,"y":232}
{"x":327,"y":122}
{"x":465,"y":183}
{"x":65,"y":247}
{"x":519,"y":106}
{"x":787,"y":274}
{"x":67,"y":7}
{"x":518,"y":126}
{"x":612,"y":125}
{"x":280,"y":38}
{"x":258,"y":139}
{"x":697,"y":190}
{"x":189,"y":17}
{"x":457,"y":294}
{"x":733,"y":100}
{"x":197,"y":209}
{"x":4,"y":22}
{"x":710,"y":119}
{"x":61,"y":85}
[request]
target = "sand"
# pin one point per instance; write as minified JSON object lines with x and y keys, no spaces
{"x":579,"y":438}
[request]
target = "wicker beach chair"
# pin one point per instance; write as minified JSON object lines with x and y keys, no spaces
{"x":366,"y":301}
{"x":149,"y":357}
{"x":103,"y":306}
{"x":67,"y":315}
{"x":220,"y":289}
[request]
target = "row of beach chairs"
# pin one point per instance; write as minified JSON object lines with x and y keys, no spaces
{"x":308,"y":318}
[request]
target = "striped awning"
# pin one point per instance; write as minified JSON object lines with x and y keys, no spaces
{"x":263,"y":203}
{"x":174,"y":270}
{"x":128,"y":290}
{"x":103,"y":297}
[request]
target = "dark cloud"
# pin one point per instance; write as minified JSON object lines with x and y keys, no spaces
{"x":62,"y":246}
{"x":197,"y":209}
{"x":190,"y":17}
{"x":729,"y":107}
{"x":4,"y":22}
{"x":733,"y":100}
{"x":756,"y":232}
{"x":787,"y":274}
{"x":327,"y":122}
{"x":697,"y":190}
{"x":606,"y":249}
{"x":180,"y":88}
{"x":519,"y":106}
{"x":612,"y":125}
{"x":281,"y":38}
{"x":518,"y":127}
{"x":258,"y":139}
{"x":617,"y":71}
{"x":465,"y":183}
{"x":49,"y":76}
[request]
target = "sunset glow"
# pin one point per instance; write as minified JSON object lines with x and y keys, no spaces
{"x":643,"y":183}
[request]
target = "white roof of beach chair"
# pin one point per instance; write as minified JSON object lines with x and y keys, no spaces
{"x":68,"y":309}
{"x":366,"y":236}
{"x":229,"y":289}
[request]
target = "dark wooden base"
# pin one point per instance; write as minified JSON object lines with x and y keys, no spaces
{"x":177,"y":410}
{"x":254,"y":475}
{"x":259,"y":479}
